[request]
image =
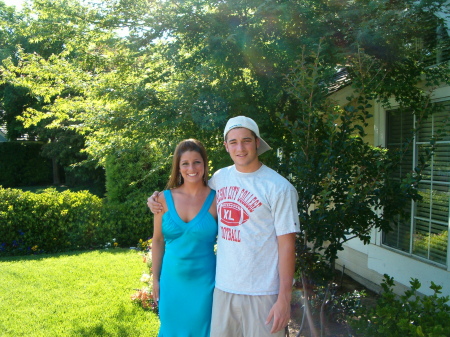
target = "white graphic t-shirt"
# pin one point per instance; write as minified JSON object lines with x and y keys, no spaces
{"x":253,"y":209}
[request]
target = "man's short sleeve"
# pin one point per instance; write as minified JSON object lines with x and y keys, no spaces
{"x":285,"y":212}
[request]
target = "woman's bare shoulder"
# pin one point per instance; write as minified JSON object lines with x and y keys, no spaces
{"x":162,"y":200}
{"x":162,"y":196}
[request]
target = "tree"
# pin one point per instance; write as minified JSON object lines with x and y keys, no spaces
{"x":55,"y":71}
{"x":186,"y":67}
{"x":347,"y":187}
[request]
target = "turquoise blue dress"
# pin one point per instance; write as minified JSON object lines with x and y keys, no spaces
{"x":188,"y":272}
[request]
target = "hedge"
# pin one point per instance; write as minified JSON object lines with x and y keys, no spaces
{"x":53,"y":221}
{"x":58,"y":221}
{"x":49,"y":222}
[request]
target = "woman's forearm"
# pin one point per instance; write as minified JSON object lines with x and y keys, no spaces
{"x":157,"y":255}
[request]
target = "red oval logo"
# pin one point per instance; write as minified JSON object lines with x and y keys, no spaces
{"x":232,"y":214}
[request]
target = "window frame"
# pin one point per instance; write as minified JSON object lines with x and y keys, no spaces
{"x":441,"y":95}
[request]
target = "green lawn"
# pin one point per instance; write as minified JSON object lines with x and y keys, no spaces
{"x":73,"y":294}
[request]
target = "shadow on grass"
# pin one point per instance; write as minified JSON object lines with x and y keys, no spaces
{"x":118,"y":327}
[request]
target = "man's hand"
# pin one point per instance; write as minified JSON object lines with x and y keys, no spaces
{"x":281,"y":310}
{"x":153,"y":204}
{"x":280,"y":314}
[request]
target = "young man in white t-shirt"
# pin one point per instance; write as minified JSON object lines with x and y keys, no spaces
{"x":258,"y":219}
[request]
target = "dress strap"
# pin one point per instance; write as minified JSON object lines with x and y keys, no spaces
{"x":208,"y":202}
{"x":169,"y":201}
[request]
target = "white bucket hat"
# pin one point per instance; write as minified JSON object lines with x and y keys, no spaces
{"x":248,"y":123}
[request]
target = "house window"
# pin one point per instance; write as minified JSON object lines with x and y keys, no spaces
{"x":425,"y":233}
{"x":434,"y":45}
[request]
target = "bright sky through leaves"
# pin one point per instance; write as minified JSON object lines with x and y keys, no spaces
{"x":17,"y":3}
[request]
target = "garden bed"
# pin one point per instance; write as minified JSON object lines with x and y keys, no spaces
{"x":332,"y":329}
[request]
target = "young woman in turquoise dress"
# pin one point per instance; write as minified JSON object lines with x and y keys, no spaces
{"x":184,"y":235}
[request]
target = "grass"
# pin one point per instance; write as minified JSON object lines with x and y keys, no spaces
{"x":73,"y":294}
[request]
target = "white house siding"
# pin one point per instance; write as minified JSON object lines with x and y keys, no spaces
{"x":368,"y":263}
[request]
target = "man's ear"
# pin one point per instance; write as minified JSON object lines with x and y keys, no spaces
{"x":226,"y":146}
{"x":258,"y":143}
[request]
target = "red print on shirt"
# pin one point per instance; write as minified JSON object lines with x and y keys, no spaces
{"x":232,"y":214}
{"x":235,"y":205}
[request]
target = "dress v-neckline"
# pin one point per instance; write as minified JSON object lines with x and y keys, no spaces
{"x":206,"y":204}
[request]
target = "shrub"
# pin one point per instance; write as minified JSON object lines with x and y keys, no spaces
{"x":129,"y":221}
{"x":132,"y":175}
{"x":408,"y":315}
{"x":337,"y":307}
{"x":49,"y":221}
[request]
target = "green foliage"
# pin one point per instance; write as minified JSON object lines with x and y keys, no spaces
{"x":131,"y":177}
{"x":82,"y":294}
{"x":85,"y":177}
{"x":185,"y":67}
{"x":51,"y":83}
{"x":344,"y":184}
{"x":21,"y":164}
{"x":313,"y":269}
{"x":49,"y":221}
{"x":408,"y":315}
{"x":337,"y":307}
{"x":13,"y":100}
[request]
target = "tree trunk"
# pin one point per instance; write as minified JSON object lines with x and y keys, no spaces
{"x":56,"y":176}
